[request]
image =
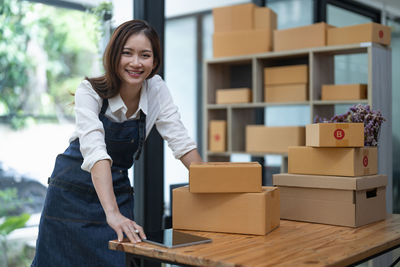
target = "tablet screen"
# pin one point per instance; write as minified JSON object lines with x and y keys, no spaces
{"x":171,"y":238}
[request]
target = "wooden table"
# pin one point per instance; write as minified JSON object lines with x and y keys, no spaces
{"x":292,"y":244}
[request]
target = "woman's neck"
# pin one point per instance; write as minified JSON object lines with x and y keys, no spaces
{"x":131,"y":97}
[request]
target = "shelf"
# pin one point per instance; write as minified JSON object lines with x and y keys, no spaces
{"x":256,"y":105}
{"x":341,"y":102}
{"x":248,"y":71}
{"x":333,"y":50}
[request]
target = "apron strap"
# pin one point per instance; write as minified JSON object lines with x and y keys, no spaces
{"x":142,"y":134}
{"x":104,"y":106}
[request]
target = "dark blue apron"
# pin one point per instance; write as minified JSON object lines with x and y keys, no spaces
{"x":73,"y":230}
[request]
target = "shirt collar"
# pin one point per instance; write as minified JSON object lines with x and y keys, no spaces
{"x":116,"y":103}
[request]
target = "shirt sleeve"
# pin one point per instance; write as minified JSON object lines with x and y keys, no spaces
{"x":169,"y":124}
{"x":89,"y":128}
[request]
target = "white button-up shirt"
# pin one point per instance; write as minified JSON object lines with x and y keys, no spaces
{"x":155,"y":101}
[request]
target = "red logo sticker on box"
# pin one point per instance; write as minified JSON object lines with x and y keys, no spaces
{"x":217,"y":137}
{"x":365,"y":161}
{"x":380,"y":34}
{"x":338,"y":134}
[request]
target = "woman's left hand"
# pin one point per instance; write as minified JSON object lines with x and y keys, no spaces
{"x":121,"y":224}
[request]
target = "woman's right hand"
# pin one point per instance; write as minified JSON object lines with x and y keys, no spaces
{"x":121,"y":224}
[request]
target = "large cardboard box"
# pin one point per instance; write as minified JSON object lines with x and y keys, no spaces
{"x":343,"y":91}
{"x":296,"y":92}
{"x":260,"y":138}
{"x":234,"y":18}
{"x":225,"y":177}
{"x":237,"y":43}
{"x":217,"y":136}
{"x":332,"y":199}
{"x":342,"y":161}
{"x":301,"y":37}
{"x":335,"y":135}
{"x":369,"y":32}
{"x":241,"y":213}
{"x":233,"y":95}
{"x":294,"y":74}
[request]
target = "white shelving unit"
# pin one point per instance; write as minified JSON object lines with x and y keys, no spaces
{"x":248,"y":71}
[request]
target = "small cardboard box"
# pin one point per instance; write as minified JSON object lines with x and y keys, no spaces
{"x":332,"y":199}
{"x":295,"y":74}
{"x":241,"y":213}
{"x":226,"y":44}
{"x":260,"y":138}
{"x":233,"y":95}
{"x":286,"y":93}
{"x":369,"y":32}
{"x":335,"y":135}
{"x":217,"y":138}
{"x":343,"y":91}
{"x":301,"y":37}
{"x":234,"y":18}
{"x":341,"y":161}
{"x":225,"y":177}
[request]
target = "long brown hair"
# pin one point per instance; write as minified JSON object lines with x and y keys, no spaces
{"x":108,"y":85}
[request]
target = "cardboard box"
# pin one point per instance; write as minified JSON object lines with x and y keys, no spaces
{"x":265,"y":18}
{"x":343,"y":91}
{"x":335,"y":135}
{"x":301,"y":37}
{"x":241,"y":213}
{"x":343,"y":161}
{"x":260,"y":138}
{"x":233,"y":95}
{"x":225,"y":177}
{"x":286,"y":93}
{"x":369,"y":32}
{"x":217,"y":138}
{"x":226,"y":44}
{"x":295,"y":74}
{"x":332,"y":199}
{"x":234,"y":18}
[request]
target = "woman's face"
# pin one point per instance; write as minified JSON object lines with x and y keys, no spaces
{"x":137,"y":61}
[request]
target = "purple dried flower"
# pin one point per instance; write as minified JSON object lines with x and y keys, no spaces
{"x":361,"y":113}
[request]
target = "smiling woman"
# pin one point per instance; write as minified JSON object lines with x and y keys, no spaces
{"x":89,"y":200}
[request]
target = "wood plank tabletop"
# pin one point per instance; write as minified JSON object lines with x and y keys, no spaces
{"x":292,"y":244}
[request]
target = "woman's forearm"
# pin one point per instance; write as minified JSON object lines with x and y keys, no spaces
{"x":191,"y":156}
{"x":102,"y":181}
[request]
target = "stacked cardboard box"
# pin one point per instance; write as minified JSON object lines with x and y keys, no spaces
{"x":286,"y":83}
{"x":242,"y":29}
{"x":226,"y":197}
{"x":333,"y":179}
{"x":322,"y":34}
{"x":263,"y":139}
{"x":233,"y":96}
{"x":368,"y":32}
{"x":343,"y":91}
{"x":301,"y":37}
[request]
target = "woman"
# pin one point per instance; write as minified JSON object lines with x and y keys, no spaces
{"x":90,"y":199}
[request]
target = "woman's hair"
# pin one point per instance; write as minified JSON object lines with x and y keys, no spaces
{"x":108,"y":84}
